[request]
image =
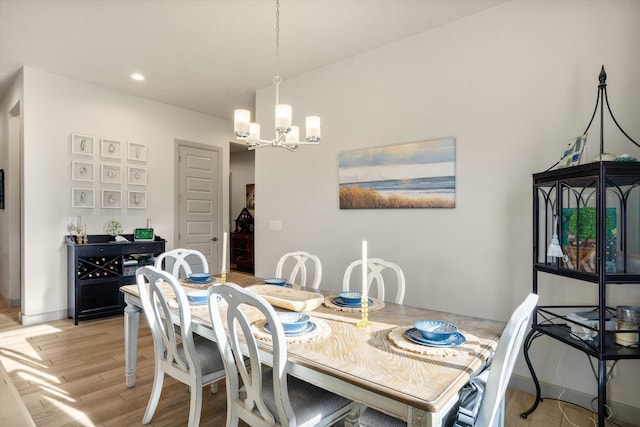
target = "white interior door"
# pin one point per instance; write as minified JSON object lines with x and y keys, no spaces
{"x":199,"y":201}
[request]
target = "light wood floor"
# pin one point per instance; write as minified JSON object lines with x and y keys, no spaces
{"x":74,"y":376}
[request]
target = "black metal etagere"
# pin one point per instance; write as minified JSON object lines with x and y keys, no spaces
{"x":598,"y":205}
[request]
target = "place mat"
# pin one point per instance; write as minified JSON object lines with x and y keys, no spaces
{"x":322,"y":330}
{"x":196,"y":308}
{"x":397,"y":338}
{"x":375,"y":305}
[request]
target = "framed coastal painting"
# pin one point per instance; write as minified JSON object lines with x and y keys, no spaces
{"x":412,"y":175}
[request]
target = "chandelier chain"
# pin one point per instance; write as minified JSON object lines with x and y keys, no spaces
{"x":277,"y":76}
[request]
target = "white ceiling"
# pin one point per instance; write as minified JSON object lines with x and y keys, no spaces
{"x":205,"y":55}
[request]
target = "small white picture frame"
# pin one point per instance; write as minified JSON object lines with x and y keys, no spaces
{"x":82,"y":144}
{"x":111,"y":148}
{"x":137,"y":152}
{"x":137,"y":175}
{"x":82,"y":171}
{"x":82,"y":198}
{"x":111,"y":199}
{"x":110,"y":173}
{"x":137,"y":200}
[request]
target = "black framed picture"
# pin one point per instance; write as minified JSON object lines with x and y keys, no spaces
{"x":1,"y":188}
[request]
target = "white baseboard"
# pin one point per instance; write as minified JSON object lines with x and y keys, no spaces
{"x":28,"y":320}
{"x":623,"y":412}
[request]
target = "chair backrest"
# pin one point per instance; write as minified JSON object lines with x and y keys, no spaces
{"x":376,"y":266}
{"x":151,"y":281}
{"x":244,"y":307}
{"x":300,"y":259}
{"x":492,"y":406}
{"x":180,"y":262}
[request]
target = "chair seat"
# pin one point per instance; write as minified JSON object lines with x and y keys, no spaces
{"x":310,"y":404}
{"x":372,"y":418}
{"x":208,"y":354}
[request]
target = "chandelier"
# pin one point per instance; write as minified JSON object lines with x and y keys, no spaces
{"x":286,"y":135}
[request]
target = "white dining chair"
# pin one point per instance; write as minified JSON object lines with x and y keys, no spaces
{"x":187,"y":357}
{"x":182,"y":262}
{"x":297,"y":262}
{"x":491,"y":412}
{"x":269,"y":396}
{"x":375,"y":268}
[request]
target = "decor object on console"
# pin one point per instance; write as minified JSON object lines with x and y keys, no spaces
{"x":598,"y":205}
{"x":286,"y":135}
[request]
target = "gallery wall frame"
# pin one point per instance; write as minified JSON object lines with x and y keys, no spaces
{"x":82,"y":144}
{"x":82,"y":171}
{"x":111,"y":148}
{"x":137,"y":152}
{"x":137,"y":200}
{"x":111,"y":199}
{"x":82,"y":198}
{"x":411,"y":175}
{"x":137,"y":175}
{"x":110,"y":173}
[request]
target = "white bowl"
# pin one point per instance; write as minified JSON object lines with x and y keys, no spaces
{"x":293,"y":321}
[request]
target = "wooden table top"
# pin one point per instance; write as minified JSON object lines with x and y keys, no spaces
{"x":365,"y":357}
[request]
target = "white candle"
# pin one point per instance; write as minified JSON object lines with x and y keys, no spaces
{"x":364,"y":270}
{"x":224,"y":252}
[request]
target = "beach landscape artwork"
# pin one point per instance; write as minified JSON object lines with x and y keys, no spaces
{"x":412,"y":175}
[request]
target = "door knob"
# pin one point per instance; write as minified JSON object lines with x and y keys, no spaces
{"x":214,"y":239}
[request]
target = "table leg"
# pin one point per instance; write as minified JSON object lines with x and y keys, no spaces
{"x":131,"y":323}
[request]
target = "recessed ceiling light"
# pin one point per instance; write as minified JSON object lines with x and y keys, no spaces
{"x":137,"y":76}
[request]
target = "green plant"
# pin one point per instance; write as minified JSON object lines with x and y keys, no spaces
{"x":587,"y":230}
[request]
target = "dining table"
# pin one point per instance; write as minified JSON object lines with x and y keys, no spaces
{"x":379,"y":366}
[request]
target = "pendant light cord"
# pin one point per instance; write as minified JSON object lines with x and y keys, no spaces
{"x":276,"y":78}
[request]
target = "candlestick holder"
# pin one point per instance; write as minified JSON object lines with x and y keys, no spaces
{"x":223,"y":278}
{"x":364,"y":320}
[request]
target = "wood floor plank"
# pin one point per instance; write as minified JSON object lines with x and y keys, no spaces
{"x":70,"y":375}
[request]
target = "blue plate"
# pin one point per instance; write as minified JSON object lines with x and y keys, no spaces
{"x":342,"y":303}
{"x":198,"y":282}
{"x":414,"y":335}
{"x":311,"y":326}
{"x":201,"y":300}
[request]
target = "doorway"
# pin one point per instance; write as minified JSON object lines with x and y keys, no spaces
{"x":198,"y":218}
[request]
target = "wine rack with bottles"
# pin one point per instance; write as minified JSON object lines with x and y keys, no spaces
{"x":96,"y":270}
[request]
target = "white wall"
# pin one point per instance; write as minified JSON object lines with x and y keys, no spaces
{"x":55,"y":107}
{"x":242,"y":167}
{"x":511,"y":84}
